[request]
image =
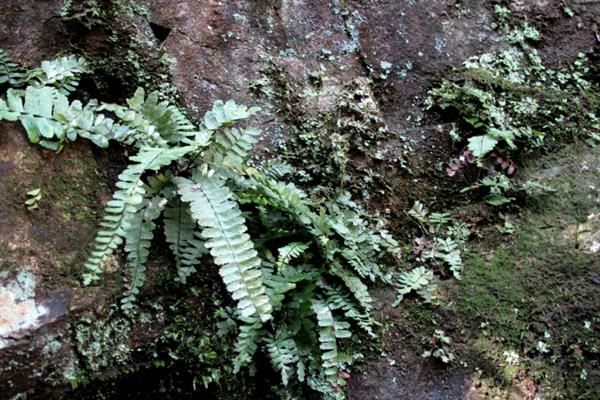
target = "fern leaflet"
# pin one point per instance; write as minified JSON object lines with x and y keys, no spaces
{"x":224,"y":228}
{"x":126,"y":202}
{"x":138,"y":236}
{"x":330,"y":330}
{"x":181,"y":234}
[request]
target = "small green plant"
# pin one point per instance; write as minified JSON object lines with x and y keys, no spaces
{"x":295,"y":269}
{"x":510,"y":106}
{"x":33,"y":198}
{"x":420,"y":280}
{"x":438,"y":346}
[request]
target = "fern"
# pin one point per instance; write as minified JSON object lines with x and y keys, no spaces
{"x":10,"y":72}
{"x":138,"y":237}
{"x":50,"y":120}
{"x":338,"y":299}
{"x":251,"y":333}
{"x":126,"y":202}
{"x":289,"y":252}
{"x":224,"y":228}
{"x":420,"y":280}
{"x":181,"y":234}
{"x":225,"y":114}
{"x":332,"y":359}
{"x":303,"y":259}
{"x":62,"y":73}
{"x":283,"y":352}
{"x":230,"y":147}
{"x":356,"y":287}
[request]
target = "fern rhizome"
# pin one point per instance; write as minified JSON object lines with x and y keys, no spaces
{"x":298,"y":281}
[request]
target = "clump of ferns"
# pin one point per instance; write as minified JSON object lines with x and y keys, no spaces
{"x":296,"y":270}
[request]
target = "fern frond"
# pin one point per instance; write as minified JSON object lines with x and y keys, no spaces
{"x":289,"y":252}
{"x":125,"y":203}
{"x":225,"y":114}
{"x":138,"y":237}
{"x":288,"y":198}
{"x":230,"y":147}
{"x":330,"y":330}
{"x":10,"y":72}
{"x":51,"y":120}
{"x":249,"y":337}
{"x":181,"y":234}
{"x":358,"y":289}
{"x":420,"y":280}
{"x":338,"y":299}
{"x":225,"y":230}
{"x":276,"y":169}
{"x":62,"y":73}
{"x":451,"y":255}
{"x":283,"y":352}
{"x":363,"y":267}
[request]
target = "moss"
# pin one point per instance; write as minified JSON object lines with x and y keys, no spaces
{"x":534,"y":294}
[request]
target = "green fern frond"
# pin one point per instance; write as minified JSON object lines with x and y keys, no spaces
{"x":126,"y":202}
{"x":283,"y":352}
{"x":276,"y":169}
{"x":166,"y":118}
{"x":246,"y":345}
{"x":181,"y":234}
{"x":289,"y":252}
{"x":420,"y":280}
{"x":230,"y":147}
{"x":363,"y":267}
{"x":51,"y":120}
{"x":10,"y":72}
{"x":138,"y":237}
{"x":337,"y":298}
{"x":225,"y":230}
{"x":358,"y":289}
{"x":287,"y":198}
{"x":330,"y":330}
{"x":62,"y":73}
{"x":225,"y":114}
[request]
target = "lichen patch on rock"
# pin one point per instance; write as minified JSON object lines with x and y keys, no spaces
{"x":19,"y":310}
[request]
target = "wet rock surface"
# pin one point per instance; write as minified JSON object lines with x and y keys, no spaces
{"x":293,"y":58}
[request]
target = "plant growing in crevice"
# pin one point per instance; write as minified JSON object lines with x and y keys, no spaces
{"x":295,"y":269}
{"x":440,"y":248}
{"x":509,"y":106}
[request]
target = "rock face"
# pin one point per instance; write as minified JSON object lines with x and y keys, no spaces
{"x":297,"y":59}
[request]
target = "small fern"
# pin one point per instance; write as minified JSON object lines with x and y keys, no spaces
{"x":420,"y":280}
{"x":330,"y":330}
{"x":10,"y":72}
{"x":183,"y":239}
{"x":294,"y":269}
{"x":224,"y":229}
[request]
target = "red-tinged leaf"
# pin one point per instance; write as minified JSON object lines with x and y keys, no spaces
{"x":343,"y":375}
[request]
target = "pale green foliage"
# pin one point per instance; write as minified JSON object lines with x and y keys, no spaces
{"x":294,"y":269}
{"x":33,"y":198}
{"x":420,"y":280}
{"x":52,"y":121}
{"x":330,"y":330}
{"x":224,"y":229}
{"x":441,"y":247}
{"x":183,"y":238}
{"x":127,"y":201}
{"x":283,"y":352}
{"x":62,"y":74}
